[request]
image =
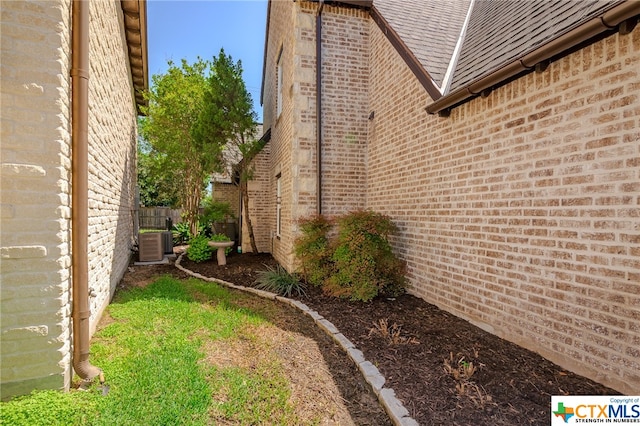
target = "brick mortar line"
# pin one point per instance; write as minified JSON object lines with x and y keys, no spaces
{"x":397,"y":413}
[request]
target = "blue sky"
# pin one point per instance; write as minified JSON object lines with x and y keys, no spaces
{"x":179,"y":29}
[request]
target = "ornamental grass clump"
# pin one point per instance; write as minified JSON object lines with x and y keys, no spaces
{"x":280,"y":281}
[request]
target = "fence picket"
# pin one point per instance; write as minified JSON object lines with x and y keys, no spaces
{"x":155,"y":217}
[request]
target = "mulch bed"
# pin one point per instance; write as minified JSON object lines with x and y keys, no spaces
{"x":510,"y":386}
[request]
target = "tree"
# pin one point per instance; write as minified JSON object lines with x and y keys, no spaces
{"x":175,"y":129}
{"x":229,"y":109}
{"x":157,"y":187}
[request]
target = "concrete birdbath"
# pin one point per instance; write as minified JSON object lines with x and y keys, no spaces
{"x":221,"y":246}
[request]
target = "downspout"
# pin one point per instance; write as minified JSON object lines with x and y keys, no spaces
{"x":80,"y":191}
{"x":319,"y":108}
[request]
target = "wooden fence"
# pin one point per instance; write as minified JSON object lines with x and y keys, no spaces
{"x":155,"y":217}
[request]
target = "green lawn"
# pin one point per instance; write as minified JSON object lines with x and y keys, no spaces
{"x":153,"y":352}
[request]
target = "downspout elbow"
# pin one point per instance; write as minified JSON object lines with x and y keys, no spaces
{"x":84,"y":369}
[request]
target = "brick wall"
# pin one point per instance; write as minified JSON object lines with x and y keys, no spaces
{"x":345,"y":80}
{"x":112,"y":154}
{"x":35,"y":232}
{"x":36,"y":175}
{"x":227,"y":193}
{"x":261,"y":204}
{"x":287,"y":23}
{"x":293,"y":146}
{"x":520,"y":212}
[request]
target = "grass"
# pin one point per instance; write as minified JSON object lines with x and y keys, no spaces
{"x":154,"y":358}
{"x":280,"y":281}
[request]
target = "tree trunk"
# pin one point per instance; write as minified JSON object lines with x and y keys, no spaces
{"x":192,"y":200}
{"x":247,"y":219}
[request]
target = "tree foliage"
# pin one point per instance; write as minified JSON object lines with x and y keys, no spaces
{"x":229,"y":109}
{"x":194,"y":111}
{"x":157,"y":186}
{"x":175,"y":130}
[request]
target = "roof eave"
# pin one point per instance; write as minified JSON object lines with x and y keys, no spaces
{"x":264,"y":56}
{"x":595,"y":26}
{"x":135,"y":26}
{"x":359,"y":3}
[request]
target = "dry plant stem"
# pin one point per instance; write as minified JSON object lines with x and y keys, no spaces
{"x":392,"y":334}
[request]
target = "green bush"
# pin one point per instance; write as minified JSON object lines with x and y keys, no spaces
{"x":364,"y":263}
{"x":312,"y":249}
{"x":358,"y":264}
{"x":280,"y":281}
{"x":182,"y":233}
{"x":199,"y":249}
{"x":222,"y":237}
{"x":214,"y":211}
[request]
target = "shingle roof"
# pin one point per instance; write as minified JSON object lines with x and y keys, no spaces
{"x":501,"y":31}
{"x":429,"y":28}
{"x":500,"y":39}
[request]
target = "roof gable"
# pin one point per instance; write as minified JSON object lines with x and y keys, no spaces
{"x":460,"y":48}
{"x":428,"y":28}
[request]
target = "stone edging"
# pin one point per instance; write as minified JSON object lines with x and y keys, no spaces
{"x":398,"y":414}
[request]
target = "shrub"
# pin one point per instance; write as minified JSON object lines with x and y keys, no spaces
{"x":199,"y":249}
{"x":222,"y":237}
{"x":280,"y":281}
{"x":364,"y":264}
{"x":182,"y":233}
{"x":312,"y":249}
{"x":214,"y":211}
{"x":358,"y":264}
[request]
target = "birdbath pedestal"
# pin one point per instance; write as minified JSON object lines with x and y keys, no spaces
{"x":221,"y":246}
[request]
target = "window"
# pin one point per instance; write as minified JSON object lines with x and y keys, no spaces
{"x":278,"y":206}
{"x":279,"y":85}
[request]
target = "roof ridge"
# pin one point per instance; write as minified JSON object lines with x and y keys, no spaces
{"x":453,"y":63}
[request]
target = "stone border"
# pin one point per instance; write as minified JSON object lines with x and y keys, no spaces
{"x":398,"y":414}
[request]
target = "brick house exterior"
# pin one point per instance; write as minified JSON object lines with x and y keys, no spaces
{"x":224,"y":189}
{"x":37,"y":182}
{"x":516,"y":191}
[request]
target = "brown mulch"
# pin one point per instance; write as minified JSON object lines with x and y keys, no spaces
{"x":411,"y":342}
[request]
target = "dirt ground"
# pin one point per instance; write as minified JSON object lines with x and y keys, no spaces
{"x":443,"y":369}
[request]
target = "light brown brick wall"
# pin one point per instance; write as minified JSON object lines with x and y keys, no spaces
{"x":36,"y":183}
{"x":345,"y":82}
{"x":261,"y":204}
{"x":281,"y":39}
{"x":293,"y":144}
{"x":112,"y":154}
{"x":520,"y":211}
{"x":227,"y":193}
{"x":35,"y":230}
